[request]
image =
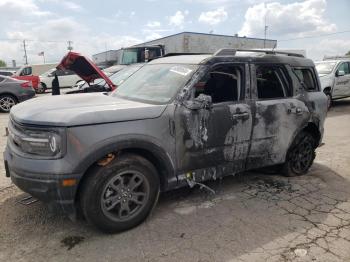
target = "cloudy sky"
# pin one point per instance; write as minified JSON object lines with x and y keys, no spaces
{"x":95,"y":26}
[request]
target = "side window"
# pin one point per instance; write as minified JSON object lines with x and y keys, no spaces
{"x":305,"y":76}
{"x":345,"y":68}
{"x":26,"y":71}
{"x":223,"y":84}
{"x":269,"y":81}
{"x":60,"y":72}
{"x":68,"y":72}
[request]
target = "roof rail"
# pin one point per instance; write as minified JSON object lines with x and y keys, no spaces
{"x":175,"y":54}
{"x":232,"y":52}
{"x":343,"y":57}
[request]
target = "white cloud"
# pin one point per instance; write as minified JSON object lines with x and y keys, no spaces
{"x":153,"y":24}
{"x":287,"y":20}
{"x":213,"y":17}
{"x":17,"y":8}
{"x":72,"y":6}
{"x":178,"y":19}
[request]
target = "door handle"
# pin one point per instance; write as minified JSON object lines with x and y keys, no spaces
{"x":244,"y":115}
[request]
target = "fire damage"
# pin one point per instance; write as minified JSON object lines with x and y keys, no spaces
{"x":178,"y":121}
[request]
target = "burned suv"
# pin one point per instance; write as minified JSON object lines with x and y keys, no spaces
{"x":178,"y":121}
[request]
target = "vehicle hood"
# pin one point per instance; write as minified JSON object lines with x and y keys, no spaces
{"x":84,"y":68}
{"x":82,"y":109}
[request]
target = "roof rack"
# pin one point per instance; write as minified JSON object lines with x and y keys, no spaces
{"x":232,"y":52}
{"x":343,"y":57}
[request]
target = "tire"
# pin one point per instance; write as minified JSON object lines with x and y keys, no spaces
{"x":329,"y":101}
{"x":7,"y":102}
{"x":120,"y":195}
{"x":41,"y":88}
{"x":300,"y":155}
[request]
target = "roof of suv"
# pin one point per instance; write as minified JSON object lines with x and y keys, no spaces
{"x":238,"y":57}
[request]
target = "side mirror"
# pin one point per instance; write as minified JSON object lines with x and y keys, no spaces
{"x":340,"y":73}
{"x":200,"y":102}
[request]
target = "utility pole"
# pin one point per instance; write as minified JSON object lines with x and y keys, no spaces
{"x":265,"y":26}
{"x":25,"y":51}
{"x":70,"y":47}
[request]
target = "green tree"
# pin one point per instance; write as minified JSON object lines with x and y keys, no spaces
{"x":2,"y":63}
{"x":348,"y":53}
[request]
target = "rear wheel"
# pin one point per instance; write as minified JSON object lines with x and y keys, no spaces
{"x":301,"y":155}
{"x":7,"y":102}
{"x":120,"y":195}
{"x":41,"y":88}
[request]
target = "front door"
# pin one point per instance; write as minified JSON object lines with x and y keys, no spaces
{"x":342,"y":82}
{"x":215,"y":141}
{"x":278,"y":115}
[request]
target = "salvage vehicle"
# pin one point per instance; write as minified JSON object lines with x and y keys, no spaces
{"x":334,"y":73}
{"x":66,"y":78}
{"x":13,"y":91}
{"x":178,"y":121}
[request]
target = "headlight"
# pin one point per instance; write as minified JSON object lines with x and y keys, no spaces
{"x":41,"y":142}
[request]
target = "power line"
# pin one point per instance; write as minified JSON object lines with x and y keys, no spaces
{"x":314,"y":36}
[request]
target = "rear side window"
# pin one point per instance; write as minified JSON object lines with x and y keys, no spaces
{"x":270,"y":82}
{"x":306,"y":76}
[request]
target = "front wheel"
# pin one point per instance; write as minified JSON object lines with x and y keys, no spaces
{"x":329,"y":101}
{"x":120,"y":195}
{"x":7,"y":102}
{"x":300,"y":155}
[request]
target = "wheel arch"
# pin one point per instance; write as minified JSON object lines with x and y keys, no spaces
{"x":10,"y":94}
{"x":149,"y":150}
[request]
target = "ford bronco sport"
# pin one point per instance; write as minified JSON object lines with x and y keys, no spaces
{"x":179,"y":120}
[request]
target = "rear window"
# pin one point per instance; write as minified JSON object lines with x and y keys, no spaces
{"x":306,"y":77}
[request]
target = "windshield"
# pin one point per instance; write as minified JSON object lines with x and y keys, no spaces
{"x":129,"y":57}
{"x":156,"y":83}
{"x":325,"y":67}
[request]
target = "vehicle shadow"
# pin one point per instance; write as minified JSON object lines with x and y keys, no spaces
{"x":249,"y":213}
{"x":339,"y":107}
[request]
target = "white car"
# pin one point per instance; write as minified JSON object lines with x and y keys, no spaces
{"x":335,"y":78}
{"x":66,"y":78}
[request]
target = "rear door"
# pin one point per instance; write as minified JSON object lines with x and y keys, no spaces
{"x":216,"y":140}
{"x":278,"y":114}
{"x":342,"y":83}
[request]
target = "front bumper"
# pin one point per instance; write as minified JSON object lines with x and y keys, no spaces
{"x":46,"y":187}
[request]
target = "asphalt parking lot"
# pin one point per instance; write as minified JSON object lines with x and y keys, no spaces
{"x":252,"y":217}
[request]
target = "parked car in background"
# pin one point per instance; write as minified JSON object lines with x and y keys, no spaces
{"x":178,"y":121}
{"x":101,"y":86}
{"x":32,"y":72}
{"x":7,"y":72}
{"x":66,"y":78}
{"x":13,"y":91}
{"x":335,"y":77}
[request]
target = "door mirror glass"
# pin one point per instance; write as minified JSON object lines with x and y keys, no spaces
{"x":340,"y":73}
{"x":200,"y":102}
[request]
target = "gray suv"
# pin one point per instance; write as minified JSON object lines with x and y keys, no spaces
{"x":178,"y":121}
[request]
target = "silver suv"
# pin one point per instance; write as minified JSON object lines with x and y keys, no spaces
{"x":335,"y":77}
{"x":178,"y":121}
